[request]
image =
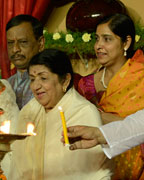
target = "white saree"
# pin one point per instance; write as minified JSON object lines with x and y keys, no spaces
{"x":43,"y":157}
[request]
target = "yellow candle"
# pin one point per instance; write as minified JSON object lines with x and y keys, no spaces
{"x":64,"y":126}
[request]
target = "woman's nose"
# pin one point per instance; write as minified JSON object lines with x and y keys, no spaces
{"x":99,"y":44}
{"x":36,"y":85}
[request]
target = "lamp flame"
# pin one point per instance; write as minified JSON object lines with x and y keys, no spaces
{"x":30,"y":129}
{"x":5,"y":127}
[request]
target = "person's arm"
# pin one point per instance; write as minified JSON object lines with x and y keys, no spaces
{"x":86,"y":137}
{"x":120,"y":135}
{"x":123,"y":135}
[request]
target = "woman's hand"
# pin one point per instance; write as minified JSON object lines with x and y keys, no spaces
{"x":84,"y":137}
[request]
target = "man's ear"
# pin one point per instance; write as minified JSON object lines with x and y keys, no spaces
{"x":127,"y":43}
{"x":41,"y":43}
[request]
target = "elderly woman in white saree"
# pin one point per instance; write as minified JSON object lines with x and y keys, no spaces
{"x":43,"y":157}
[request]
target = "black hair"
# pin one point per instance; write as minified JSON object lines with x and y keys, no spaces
{"x":121,"y":25}
{"x":56,"y":61}
{"x":35,"y":23}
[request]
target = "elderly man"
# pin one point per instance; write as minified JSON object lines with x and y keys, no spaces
{"x":24,"y":40}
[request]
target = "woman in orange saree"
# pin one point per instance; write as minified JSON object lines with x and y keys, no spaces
{"x":118,"y":87}
{"x":125,"y":96}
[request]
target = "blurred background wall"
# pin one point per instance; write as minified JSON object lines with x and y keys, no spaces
{"x":56,"y":21}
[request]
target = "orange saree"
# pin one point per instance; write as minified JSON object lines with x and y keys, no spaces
{"x":125,"y":96}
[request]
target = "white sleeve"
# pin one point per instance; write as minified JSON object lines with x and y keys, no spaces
{"x":123,"y":135}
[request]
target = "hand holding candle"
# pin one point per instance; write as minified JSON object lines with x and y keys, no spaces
{"x":64,"y":126}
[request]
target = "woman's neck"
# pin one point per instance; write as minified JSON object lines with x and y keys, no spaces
{"x":114,"y":68}
{"x":109,"y":71}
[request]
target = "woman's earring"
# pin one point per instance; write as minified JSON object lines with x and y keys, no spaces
{"x":125,"y":52}
{"x":64,"y":89}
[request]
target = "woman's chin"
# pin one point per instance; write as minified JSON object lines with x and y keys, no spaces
{"x":45,"y":104}
{"x":103,"y":62}
{"x":40,"y":100}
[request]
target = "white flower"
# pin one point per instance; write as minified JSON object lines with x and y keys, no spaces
{"x":86,"y":37}
{"x":44,"y":31}
{"x":56,"y":36}
{"x":69,"y":38}
{"x":137,"y":37}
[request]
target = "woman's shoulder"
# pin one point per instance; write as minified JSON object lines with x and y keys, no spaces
{"x":85,"y":108}
{"x":138,"y":56}
{"x":86,"y":86}
{"x":90,"y":76}
{"x":87,"y":82}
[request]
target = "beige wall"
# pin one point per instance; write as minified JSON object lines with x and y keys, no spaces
{"x":56,"y":21}
{"x":136,"y":8}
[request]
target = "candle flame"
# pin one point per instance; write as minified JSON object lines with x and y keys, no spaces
{"x":30,"y":129}
{"x":5,"y":127}
{"x":60,"y":108}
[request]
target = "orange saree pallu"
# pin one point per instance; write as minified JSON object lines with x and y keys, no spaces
{"x":125,"y":96}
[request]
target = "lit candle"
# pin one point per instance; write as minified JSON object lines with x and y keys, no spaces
{"x":64,"y":126}
{"x":5,"y":127}
{"x":30,"y":128}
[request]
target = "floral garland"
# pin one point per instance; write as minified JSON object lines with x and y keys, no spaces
{"x":73,"y":43}
{"x":82,"y":44}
